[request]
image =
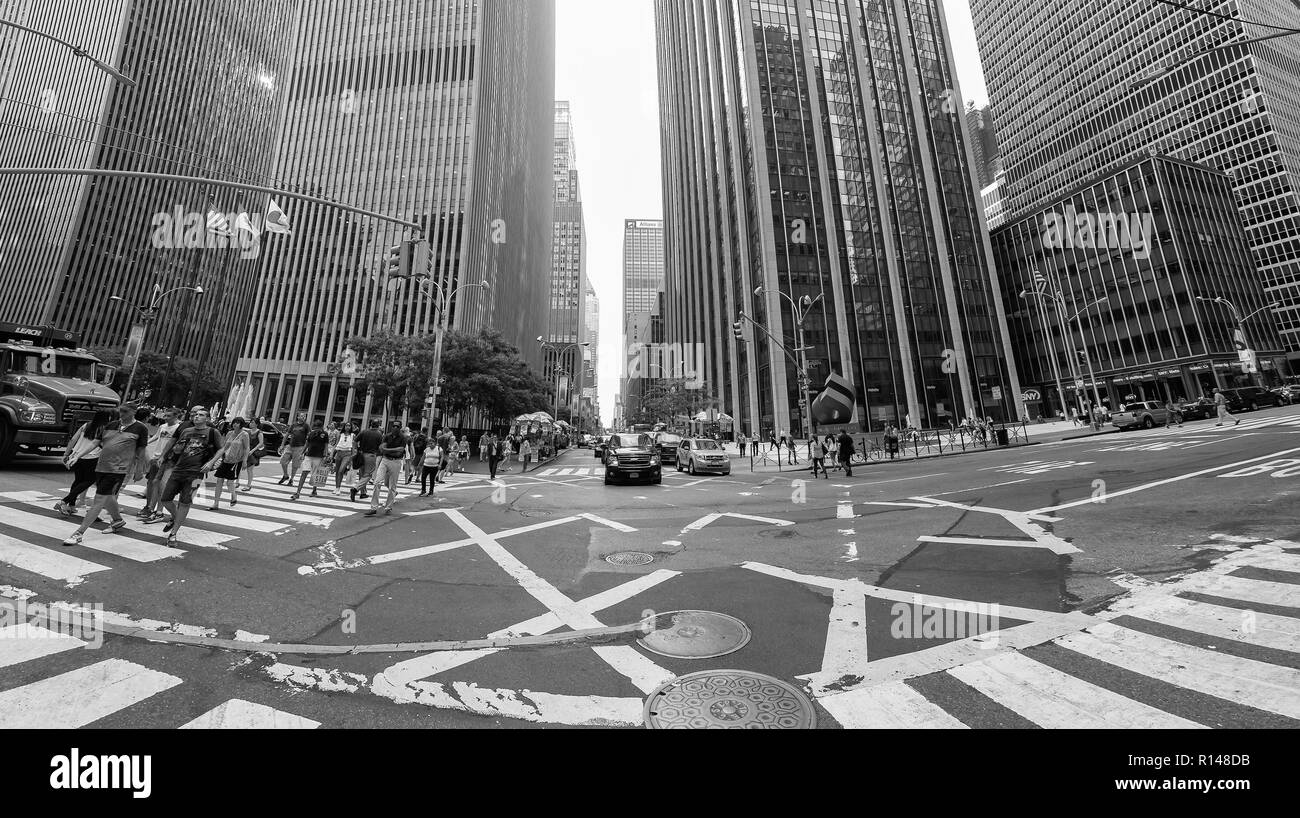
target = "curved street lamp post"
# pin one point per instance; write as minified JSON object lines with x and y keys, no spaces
{"x":560,"y":350}
{"x":148,"y":315}
{"x":801,"y":310}
{"x":1257,"y":376}
{"x":1057,"y":299}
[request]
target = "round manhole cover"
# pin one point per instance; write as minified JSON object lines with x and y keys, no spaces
{"x":696,"y":635}
{"x":629,"y":558}
{"x":728,"y":700}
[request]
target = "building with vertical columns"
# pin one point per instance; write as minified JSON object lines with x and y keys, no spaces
{"x":1152,"y":339}
{"x":1081,"y":89}
{"x":438,"y":113}
{"x":567,"y":318}
{"x":212,"y":81}
{"x":643,"y":280}
{"x":819,"y":148}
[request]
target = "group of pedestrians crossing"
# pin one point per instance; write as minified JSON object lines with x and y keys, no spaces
{"x":173,"y":452}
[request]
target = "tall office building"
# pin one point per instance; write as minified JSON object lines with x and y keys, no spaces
{"x":984,"y":143}
{"x":592,"y":353}
{"x":211,"y":83}
{"x":643,"y":279}
{"x":567,"y":319}
{"x":438,"y":113}
{"x":1080,"y":89}
{"x":817,"y":148}
{"x":1157,"y":335}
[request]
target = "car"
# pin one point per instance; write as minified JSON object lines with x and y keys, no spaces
{"x":1249,"y":398}
{"x":1146,"y":414}
{"x":667,"y":443}
{"x":1199,"y":409}
{"x":702,"y":454}
{"x":632,"y":456}
{"x":585,"y":441}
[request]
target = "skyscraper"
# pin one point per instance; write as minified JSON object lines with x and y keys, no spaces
{"x":1081,"y":88}
{"x":211,"y":83}
{"x":592,"y":320}
{"x":818,"y":149}
{"x":567,"y":324}
{"x":643,"y":280}
{"x":438,"y":113}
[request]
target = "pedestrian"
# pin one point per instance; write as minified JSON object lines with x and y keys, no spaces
{"x":122,"y":456}
{"x":829,"y":445}
{"x":525,"y":453}
{"x":844,"y":450}
{"x":462,"y":452}
{"x":291,"y":451}
{"x":493,"y":454}
{"x":234,"y":451}
{"x":772,"y":442}
{"x":368,"y":443}
{"x":817,"y":454}
{"x":891,"y":440}
{"x":1172,"y":414}
{"x":507,"y":452}
{"x":791,"y":457}
{"x":447,"y":441}
{"x":256,"y":448}
{"x":156,"y":471}
{"x":391,"y":449}
{"x":82,"y":458}
{"x":313,"y":456}
{"x":482,"y":447}
{"x":1221,"y":403}
{"x":344,"y":447}
{"x":193,"y":453}
{"x":419,"y":442}
{"x":430,"y":459}
{"x":740,"y":443}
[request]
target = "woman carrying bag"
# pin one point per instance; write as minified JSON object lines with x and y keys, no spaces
{"x":256,"y":448}
{"x":82,"y":458}
{"x":233,"y":454}
{"x":344,"y":447}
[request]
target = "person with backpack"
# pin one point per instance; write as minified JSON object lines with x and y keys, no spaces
{"x":194,"y":452}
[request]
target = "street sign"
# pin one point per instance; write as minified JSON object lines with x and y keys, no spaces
{"x":1249,"y":361}
{"x":133,"y":344}
{"x":1078,"y":384}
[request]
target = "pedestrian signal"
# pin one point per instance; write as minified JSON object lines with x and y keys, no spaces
{"x":737,"y":330}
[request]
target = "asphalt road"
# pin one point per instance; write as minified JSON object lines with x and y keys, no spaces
{"x":1132,"y":579}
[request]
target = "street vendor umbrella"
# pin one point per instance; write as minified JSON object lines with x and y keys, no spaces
{"x":835,"y":403}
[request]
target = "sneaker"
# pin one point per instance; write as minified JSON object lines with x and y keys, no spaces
{"x":387,"y":510}
{"x":314,"y":494}
{"x":63,"y":508}
{"x":294,"y":496}
{"x":75,"y":539}
{"x":115,"y":526}
{"x":371,"y":513}
{"x":336,"y":492}
{"x":156,"y":517}
{"x":171,"y":539}
{"x":171,"y":524}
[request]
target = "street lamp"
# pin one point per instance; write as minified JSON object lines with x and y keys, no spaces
{"x":800,"y":311}
{"x":147,"y":316}
{"x":560,"y":350}
{"x":1241,"y":325}
{"x":1057,"y":298}
{"x":76,"y":52}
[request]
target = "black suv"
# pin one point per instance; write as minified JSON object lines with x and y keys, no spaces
{"x":1249,"y":398}
{"x":632,"y":457}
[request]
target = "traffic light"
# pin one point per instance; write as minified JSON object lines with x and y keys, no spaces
{"x":398,"y":262}
{"x":737,"y":331}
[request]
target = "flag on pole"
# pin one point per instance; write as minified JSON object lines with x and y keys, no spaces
{"x":242,"y":223}
{"x":218,"y":224}
{"x":276,"y":220}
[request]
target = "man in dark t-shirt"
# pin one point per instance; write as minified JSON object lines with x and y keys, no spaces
{"x":314,"y":447}
{"x":291,"y":451}
{"x":193,"y":452}
{"x":368,"y":443}
{"x":122,"y":455}
{"x":393,"y":451}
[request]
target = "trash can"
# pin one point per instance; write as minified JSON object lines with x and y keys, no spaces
{"x":1002,"y":437}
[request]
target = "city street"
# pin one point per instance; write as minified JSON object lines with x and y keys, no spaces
{"x":1139,"y":579}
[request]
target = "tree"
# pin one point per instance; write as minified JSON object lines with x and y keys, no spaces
{"x":671,"y":398}
{"x":150,"y":373}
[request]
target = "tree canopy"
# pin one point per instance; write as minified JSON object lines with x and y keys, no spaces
{"x":149,"y":375}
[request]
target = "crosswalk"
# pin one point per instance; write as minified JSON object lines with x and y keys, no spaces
{"x":93,"y":691}
{"x":1248,"y":423}
{"x":1219,"y":647}
{"x":573,"y":471}
{"x":32,"y":533}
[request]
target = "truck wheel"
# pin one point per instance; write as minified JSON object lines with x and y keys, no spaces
{"x":8,"y":442}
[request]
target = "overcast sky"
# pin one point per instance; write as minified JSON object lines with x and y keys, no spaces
{"x":605,"y":66}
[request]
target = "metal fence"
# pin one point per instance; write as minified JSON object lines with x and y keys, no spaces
{"x":910,"y":444}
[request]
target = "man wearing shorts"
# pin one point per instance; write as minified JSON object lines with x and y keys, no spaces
{"x":122,"y":455}
{"x":192,"y":453}
{"x":314,"y":448}
{"x":291,"y":451}
{"x":392,"y":451}
{"x":157,"y":472}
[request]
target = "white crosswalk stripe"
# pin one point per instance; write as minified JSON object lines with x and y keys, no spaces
{"x":1053,"y":698}
{"x":79,"y":697}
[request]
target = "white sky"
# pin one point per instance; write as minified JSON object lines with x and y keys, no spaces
{"x":605,"y":66}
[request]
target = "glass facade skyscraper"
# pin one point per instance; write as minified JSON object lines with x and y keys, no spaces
{"x":1072,"y":84}
{"x":438,"y":113}
{"x":567,"y":322}
{"x":212,"y":80}
{"x":819,"y":148}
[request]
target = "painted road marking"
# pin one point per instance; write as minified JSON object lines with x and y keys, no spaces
{"x":846,"y":634}
{"x":45,"y":561}
{"x":711,"y":518}
{"x":1232,"y":624}
{"x":24,"y":641}
{"x":980,"y":488}
{"x":1106,"y":496}
{"x":190,"y":536}
{"x":95,"y":538}
{"x":79,"y":697}
{"x":1039,"y":466}
{"x":844,"y":511}
{"x":1245,"y":681}
{"x":1052,"y":699}
{"x":238,"y":714}
{"x":1286,"y":467}
{"x":889,"y":706}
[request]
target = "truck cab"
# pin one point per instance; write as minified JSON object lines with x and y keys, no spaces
{"x":48,"y":388}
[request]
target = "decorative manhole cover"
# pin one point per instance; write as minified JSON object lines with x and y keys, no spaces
{"x":728,"y":700}
{"x":696,"y":635}
{"x":629,"y":558}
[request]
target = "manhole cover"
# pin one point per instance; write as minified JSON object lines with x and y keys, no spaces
{"x":696,"y":635}
{"x":629,"y":558}
{"x":728,"y":700}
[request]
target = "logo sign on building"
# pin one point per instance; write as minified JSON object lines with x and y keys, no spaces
{"x":1030,"y":395}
